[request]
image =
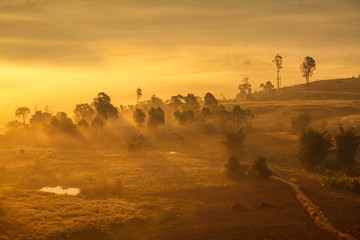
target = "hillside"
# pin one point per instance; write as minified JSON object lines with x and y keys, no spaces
{"x":347,"y":89}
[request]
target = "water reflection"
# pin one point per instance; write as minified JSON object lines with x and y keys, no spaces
{"x":61,"y":190}
{"x":172,"y":153}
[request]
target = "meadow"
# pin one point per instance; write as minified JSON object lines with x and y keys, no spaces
{"x":148,"y":180}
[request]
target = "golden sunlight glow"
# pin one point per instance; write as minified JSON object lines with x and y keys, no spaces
{"x":59,"y":53}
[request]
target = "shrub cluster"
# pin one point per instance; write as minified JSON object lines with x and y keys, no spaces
{"x":236,"y":171}
{"x":260,"y":167}
{"x":341,"y":181}
{"x":233,"y":141}
{"x":316,"y":145}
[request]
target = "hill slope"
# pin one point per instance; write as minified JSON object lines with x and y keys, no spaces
{"x":325,"y":89}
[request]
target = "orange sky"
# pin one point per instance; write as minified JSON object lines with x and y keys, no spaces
{"x":61,"y":53}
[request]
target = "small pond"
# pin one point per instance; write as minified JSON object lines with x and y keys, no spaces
{"x":61,"y":190}
{"x":172,"y":153}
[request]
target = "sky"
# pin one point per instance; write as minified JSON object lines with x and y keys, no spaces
{"x":59,"y":53}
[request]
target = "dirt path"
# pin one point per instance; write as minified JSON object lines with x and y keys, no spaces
{"x":248,"y":210}
{"x":314,"y":211}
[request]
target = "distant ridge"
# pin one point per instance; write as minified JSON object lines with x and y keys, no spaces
{"x":343,"y":88}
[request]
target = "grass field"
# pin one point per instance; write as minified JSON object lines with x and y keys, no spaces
{"x":177,"y":188}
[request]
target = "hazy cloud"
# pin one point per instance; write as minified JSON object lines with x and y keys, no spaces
{"x":118,"y":45}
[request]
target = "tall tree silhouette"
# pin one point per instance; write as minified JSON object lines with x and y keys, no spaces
{"x":184,"y":117}
{"x":40,"y":117}
{"x":191,"y":103}
{"x":22,"y":112}
{"x":156,"y":117}
{"x":245,"y":89}
{"x":84,"y":112}
{"x":139,"y":116}
{"x":176,"y":101}
{"x":104,"y":108}
{"x":314,"y":145}
{"x":307,"y":68}
{"x":346,"y":145}
{"x":268,"y":86}
{"x":278,"y":62}
{"x":62,"y":122}
{"x":138,"y":94}
{"x":210,"y":102}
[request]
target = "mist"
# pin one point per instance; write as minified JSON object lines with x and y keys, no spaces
{"x":179,"y":119}
{"x":51,"y":49}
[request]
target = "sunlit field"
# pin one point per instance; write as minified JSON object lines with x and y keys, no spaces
{"x":179,"y":119}
{"x":149,"y":179}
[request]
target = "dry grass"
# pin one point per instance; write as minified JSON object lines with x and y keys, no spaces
{"x":322,"y":90}
{"x":37,"y":215}
{"x":175,"y":189}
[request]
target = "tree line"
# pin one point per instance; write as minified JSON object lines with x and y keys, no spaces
{"x":307,"y":68}
{"x":184,"y":109}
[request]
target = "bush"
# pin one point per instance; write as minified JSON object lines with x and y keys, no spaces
{"x":138,"y":142}
{"x":340,"y":181}
{"x":331,"y":163}
{"x":300,"y":122}
{"x":260,"y":168}
{"x":233,"y":141}
{"x":234,"y":170}
{"x":314,"y":146}
{"x":210,"y":101}
{"x":346,"y":145}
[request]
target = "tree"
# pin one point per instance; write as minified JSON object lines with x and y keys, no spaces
{"x":156,"y":101}
{"x":83,"y":124}
{"x":260,"y":167}
{"x":307,"y":68}
{"x":22,"y":112}
{"x":241,"y":116}
{"x":61,"y":122}
{"x":156,"y":117}
{"x":104,"y":108}
{"x":184,"y":117}
{"x":139,"y":116}
{"x":137,"y":142}
{"x":314,"y":146}
{"x":300,"y":122}
{"x":138,"y":94}
{"x":210,"y":101}
{"x":84,"y":112}
{"x":267,"y":87}
{"x":40,"y":117}
{"x":97,"y":123}
{"x":245,"y":89}
{"x":346,"y":145}
{"x":176,"y":102}
{"x":233,"y":141}
{"x":234,"y":170}
{"x":205,"y":112}
{"x":278,"y":62}
{"x":191,"y":103}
